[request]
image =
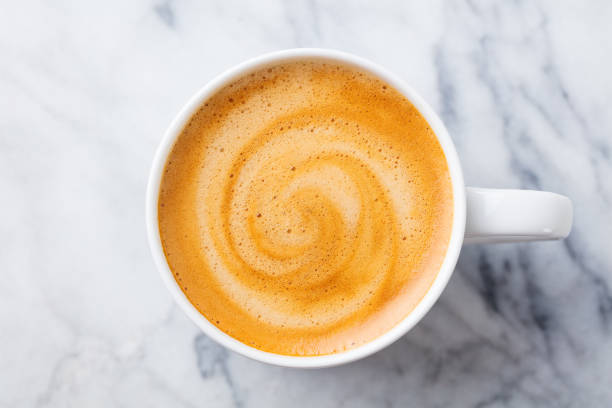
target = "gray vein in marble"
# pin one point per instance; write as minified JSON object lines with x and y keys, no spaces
{"x":491,"y":287}
{"x":489,"y":343}
{"x":601,"y":287}
{"x":463,"y":356}
{"x":541,"y":110}
{"x":512,"y":389}
{"x":446,"y":88}
{"x":212,"y":357}
{"x":540,"y":312}
{"x":544,"y":113}
{"x":511,"y":128}
{"x":553,"y":76}
{"x":534,"y":312}
{"x":165,"y":12}
{"x":55,"y":380}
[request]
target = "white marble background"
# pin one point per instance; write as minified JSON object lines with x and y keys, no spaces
{"x":86,"y":90}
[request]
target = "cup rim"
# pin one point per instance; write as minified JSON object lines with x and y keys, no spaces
{"x":450,"y":258}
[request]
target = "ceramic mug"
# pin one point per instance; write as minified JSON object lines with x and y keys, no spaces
{"x":480,"y":215}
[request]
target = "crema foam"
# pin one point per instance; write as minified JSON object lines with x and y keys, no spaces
{"x":306,"y":208}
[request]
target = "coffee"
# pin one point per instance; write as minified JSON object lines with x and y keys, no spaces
{"x":306,"y":208}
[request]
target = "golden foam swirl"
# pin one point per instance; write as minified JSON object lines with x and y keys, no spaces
{"x":306,"y":229}
{"x":304,"y":208}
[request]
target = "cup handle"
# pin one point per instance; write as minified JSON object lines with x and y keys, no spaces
{"x":495,"y":216}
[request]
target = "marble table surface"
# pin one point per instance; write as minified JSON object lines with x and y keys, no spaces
{"x":86,"y":90}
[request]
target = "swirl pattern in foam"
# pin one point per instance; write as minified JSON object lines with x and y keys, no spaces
{"x":306,"y":208}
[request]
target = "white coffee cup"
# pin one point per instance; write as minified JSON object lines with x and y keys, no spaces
{"x":480,"y":215}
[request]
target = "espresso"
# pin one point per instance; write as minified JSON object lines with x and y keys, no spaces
{"x":306,"y":208}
